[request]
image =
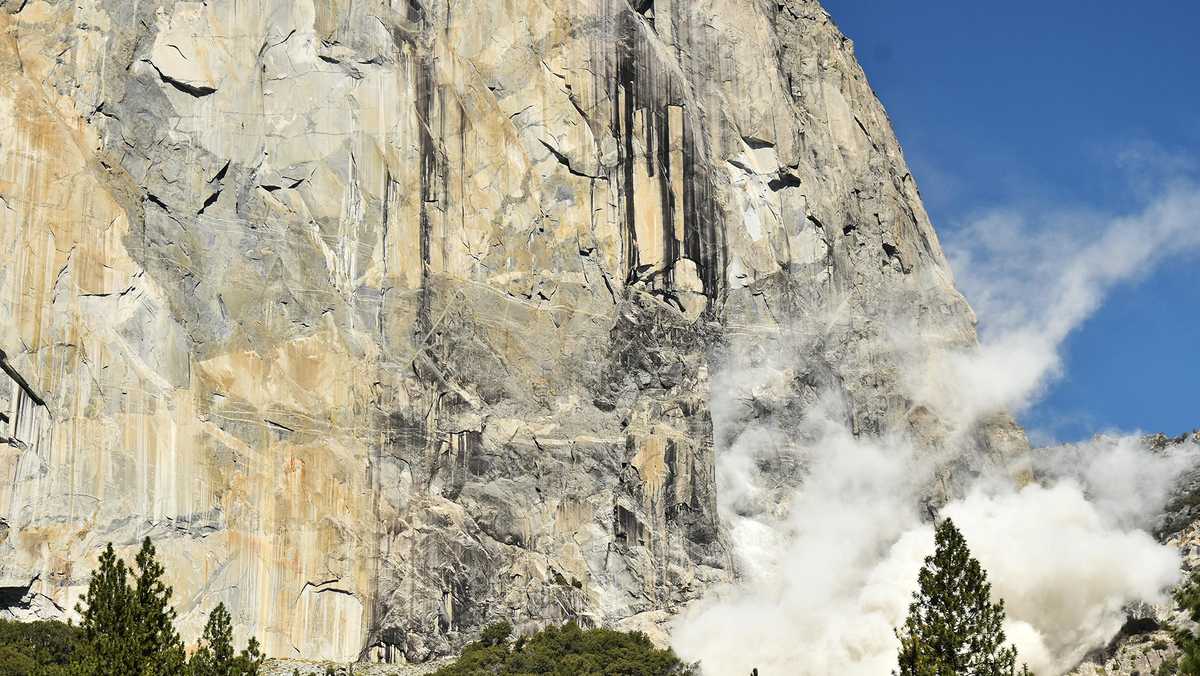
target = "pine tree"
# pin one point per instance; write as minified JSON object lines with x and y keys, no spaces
{"x":953,"y":628}
{"x":568,"y":649}
{"x":107,"y":621}
{"x":495,"y":634}
{"x":129,"y":628}
{"x":162,"y":652}
{"x":215,"y":655}
{"x":252,"y":657}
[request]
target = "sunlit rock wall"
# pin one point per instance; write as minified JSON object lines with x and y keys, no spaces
{"x":386,"y":319}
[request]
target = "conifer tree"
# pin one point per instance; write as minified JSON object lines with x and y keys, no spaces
{"x":953,"y":628}
{"x":128,"y":627}
{"x":215,"y":656}
{"x":162,"y":652}
{"x":252,"y":658}
{"x":107,"y":620}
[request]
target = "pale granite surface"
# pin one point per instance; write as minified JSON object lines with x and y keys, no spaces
{"x":389,"y":319}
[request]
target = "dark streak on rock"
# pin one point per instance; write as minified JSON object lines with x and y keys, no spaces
{"x":622,"y":97}
{"x":784,"y":180}
{"x":323,"y":587}
{"x":639,"y":82}
{"x":423,"y":109}
{"x":565,"y":161}
{"x":220,"y":174}
{"x":197,"y":91}
{"x":627,"y":529}
{"x":212,"y":199}
{"x":278,"y":427}
{"x":16,"y":377}
{"x":866,"y":133}
{"x":153,"y":199}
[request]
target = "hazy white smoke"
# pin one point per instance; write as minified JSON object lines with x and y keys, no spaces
{"x":1119,"y":475}
{"x":1034,"y":280}
{"x":829,"y":571}
{"x":835,"y":575}
{"x":1063,"y":566}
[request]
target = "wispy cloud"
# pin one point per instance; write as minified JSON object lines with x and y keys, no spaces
{"x":1033,"y":279}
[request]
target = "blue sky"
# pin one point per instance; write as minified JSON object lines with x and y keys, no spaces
{"x":1064,"y":106}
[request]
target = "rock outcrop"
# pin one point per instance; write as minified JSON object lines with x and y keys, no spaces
{"x":389,"y":318}
{"x":1145,"y":645}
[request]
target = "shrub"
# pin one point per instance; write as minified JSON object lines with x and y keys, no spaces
{"x":37,"y":648}
{"x":565,"y":651}
{"x":1187,"y":596}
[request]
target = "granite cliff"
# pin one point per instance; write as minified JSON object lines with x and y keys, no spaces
{"x":390,"y":318}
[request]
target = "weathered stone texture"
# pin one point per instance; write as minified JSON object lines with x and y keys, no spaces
{"x":389,"y":318}
{"x":1145,"y":645}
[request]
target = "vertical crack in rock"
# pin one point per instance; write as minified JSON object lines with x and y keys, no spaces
{"x":676,"y":167}
{"x":287,"y":321}
{"x":24,"y":419}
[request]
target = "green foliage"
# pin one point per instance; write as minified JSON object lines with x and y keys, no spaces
{"x":495,"y":634}
{"x":107,"y":620}
{"x":1188,"y":598}
{"x":127,"y":628}
{"x":953,"y":628}
{"x":215,"y":656}
{"x":565,"y":651}
{"x":129,"y":625}
{"x":37,"y":648}
{"x":161,"y":649}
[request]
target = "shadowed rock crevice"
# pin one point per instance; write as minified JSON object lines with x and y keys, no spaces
{"x":434,"y":300}
{"x":197,"y":91}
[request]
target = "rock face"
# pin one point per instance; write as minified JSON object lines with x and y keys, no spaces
{"x":1145,"y":644}
{"x":389,"y":318}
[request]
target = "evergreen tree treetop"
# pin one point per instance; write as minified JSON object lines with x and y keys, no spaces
{"x":215,"y":656}
{"x":128,"y":627}
{"x":953,"y":627}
